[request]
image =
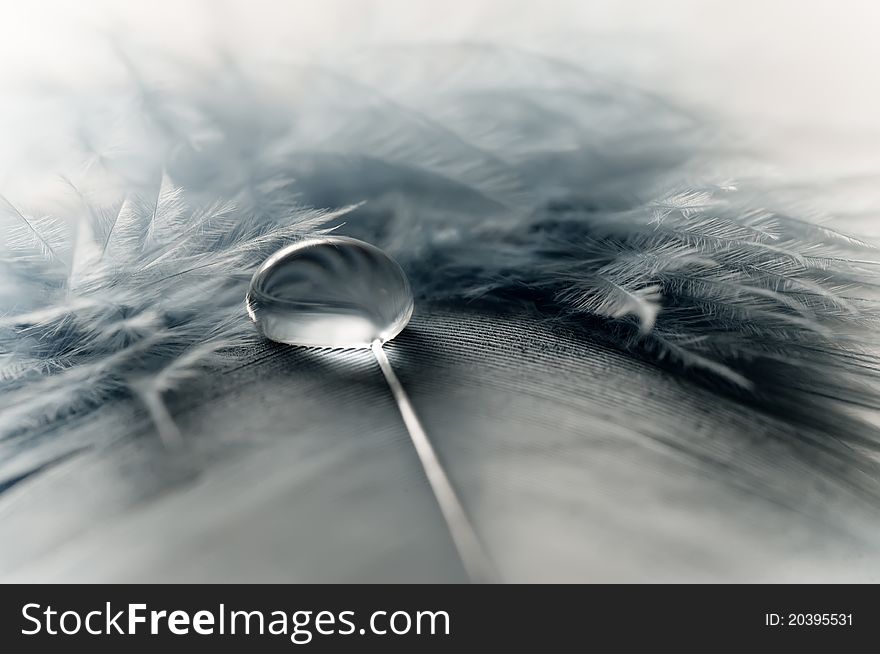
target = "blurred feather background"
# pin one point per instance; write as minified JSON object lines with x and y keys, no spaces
{"x":640,"y":243}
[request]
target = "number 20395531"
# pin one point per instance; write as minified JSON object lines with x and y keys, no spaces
{"x":808,"y":619}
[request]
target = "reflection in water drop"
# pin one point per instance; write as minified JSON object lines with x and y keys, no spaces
{"x":330,"y":291}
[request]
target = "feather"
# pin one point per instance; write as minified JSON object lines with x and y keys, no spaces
{"x":603,"y":297}
{"x":498,"y":180}
{"x":688,"y":263}
{"x":133,"y":316}
{"x":166,"y":218}
{"x":27,"y":235}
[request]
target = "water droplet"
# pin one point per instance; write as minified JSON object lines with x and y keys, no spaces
{"x":330,"y":291}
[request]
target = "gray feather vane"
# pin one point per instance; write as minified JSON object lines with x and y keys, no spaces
{"x":135,"y":287}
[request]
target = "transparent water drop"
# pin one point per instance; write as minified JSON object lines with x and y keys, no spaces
{"x":330,"y":291}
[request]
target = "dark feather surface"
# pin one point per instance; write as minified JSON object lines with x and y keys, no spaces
{"x":590,"y":230}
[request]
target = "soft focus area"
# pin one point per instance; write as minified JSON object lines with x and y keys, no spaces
{"x":641,"y":239}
